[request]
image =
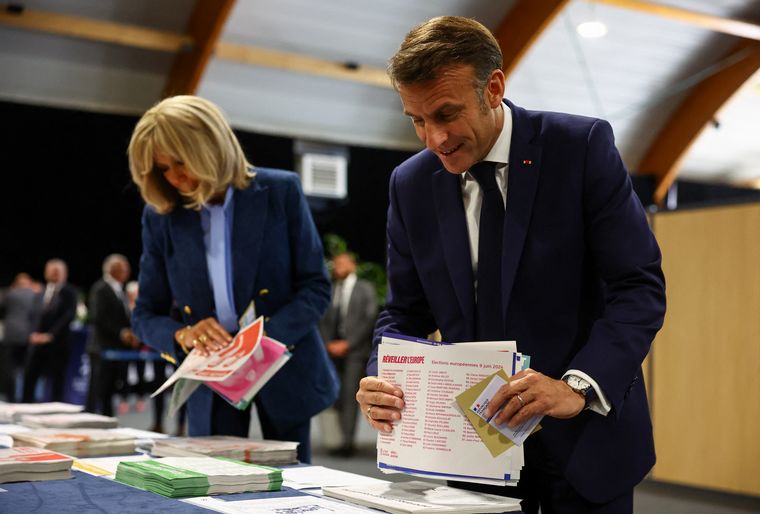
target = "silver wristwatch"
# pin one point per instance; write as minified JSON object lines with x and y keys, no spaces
{"x":582,"y":387}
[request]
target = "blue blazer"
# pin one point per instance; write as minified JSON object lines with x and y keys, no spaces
{"x":277,"y":261}
{"x":582,"y":285}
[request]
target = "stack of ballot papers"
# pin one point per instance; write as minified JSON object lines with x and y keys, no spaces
{"x":422,"y":497}
{"x":22,"y":464}
{"x":105,"y":466}
{"x":6,"y":429}
{"x":12,"y":412}
{"x":274,"y":453}
{"x":177,"y":477}
{"x":144,"y":439}
{"x":77,"y":442}
{"x":76,"y":420}
{"x":439,"y":435}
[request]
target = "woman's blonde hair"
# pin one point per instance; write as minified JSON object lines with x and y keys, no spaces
{"x":194,"y":131}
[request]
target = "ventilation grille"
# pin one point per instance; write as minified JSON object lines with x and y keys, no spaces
{"x":324,"y":175}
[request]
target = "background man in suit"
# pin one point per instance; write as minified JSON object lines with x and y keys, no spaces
{"x":20,"y":308}
{"x":110,"y":330}
{"x":569,"y":268}
{"x":347,"y":331}
{"x":49,"y":353}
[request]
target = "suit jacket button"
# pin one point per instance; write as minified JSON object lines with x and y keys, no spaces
{"x":169,"y":358}
{"x":264,"y":292}
{"x":187,"y":310}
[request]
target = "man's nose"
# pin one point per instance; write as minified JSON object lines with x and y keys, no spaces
{"x":435,"y":135}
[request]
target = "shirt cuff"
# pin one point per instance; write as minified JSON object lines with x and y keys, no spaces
{"x":600,"y":405}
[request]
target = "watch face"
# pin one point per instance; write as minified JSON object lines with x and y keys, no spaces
{"x":578,"y":384}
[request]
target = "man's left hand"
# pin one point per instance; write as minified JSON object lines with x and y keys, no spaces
{"x":530,"y":393}
{"x":338,"y":348}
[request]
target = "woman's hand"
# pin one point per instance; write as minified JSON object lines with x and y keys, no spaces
{"x":206,"y":336}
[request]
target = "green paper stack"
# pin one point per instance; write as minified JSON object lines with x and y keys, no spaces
{"x":178,"y":477}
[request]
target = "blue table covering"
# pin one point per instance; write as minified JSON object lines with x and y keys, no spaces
{"x":85,"y":494}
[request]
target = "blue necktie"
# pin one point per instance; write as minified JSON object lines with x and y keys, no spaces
{"x":489,"y":323}
{"x":218,"y":268}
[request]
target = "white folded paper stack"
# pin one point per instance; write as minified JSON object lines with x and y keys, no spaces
{"x":264,"y":451}
{"x":22,"y":464}
{"x":76,"y":420}
{"x":13,"y":412}
{"x":77,"y":442}
{"x":418,"y":497}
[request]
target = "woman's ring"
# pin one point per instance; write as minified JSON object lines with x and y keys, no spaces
{"x":203,"y":338}
{"x":522,"y":402}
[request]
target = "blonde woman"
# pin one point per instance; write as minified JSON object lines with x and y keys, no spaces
{"x":218,"y":234}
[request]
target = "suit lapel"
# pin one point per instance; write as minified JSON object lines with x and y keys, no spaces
{"x":250,"y":217}
{"x":524,"y":168}
{"x":452,"y":226}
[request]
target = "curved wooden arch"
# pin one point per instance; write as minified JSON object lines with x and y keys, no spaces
{"x":522,"y":27}
{"x":204,"y":27}
{"x":664,"y":157}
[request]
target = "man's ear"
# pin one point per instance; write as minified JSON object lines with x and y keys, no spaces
{"x":495,"y":88}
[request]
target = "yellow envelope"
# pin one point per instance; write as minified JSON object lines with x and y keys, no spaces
{"x":496,"y":442}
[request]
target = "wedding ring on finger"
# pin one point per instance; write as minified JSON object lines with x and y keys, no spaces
{"x":369,"y":412}
{"x":195,"y":342}
{"x":522,"y":402}
{"x":203,"y":338}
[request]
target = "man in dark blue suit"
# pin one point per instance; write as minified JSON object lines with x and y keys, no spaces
{"x":516,"y":224}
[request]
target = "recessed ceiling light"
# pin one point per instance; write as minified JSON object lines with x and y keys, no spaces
{"x":592,"y":29}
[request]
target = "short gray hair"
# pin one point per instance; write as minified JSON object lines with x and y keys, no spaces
{"x":112,"y":259}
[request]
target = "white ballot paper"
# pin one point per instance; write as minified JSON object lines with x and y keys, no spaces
{"x":281,"y":505}
{"x":434,"y":439}
{"x":312,"y":477}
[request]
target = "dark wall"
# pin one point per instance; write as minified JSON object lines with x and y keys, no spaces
{"x":67,"y":191}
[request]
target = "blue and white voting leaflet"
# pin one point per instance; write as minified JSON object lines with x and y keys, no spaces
{"x":518,"y":434}
{"x":434,"y":439}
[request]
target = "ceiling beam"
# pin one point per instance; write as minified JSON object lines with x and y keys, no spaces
{"x":519,"y":30}
{"x":194,"y":56}
{"x":302,"y":64}
{"x":523,"y":26}
{"x":715,"y":23}
{"x":664,"y":157}
{"x":94,"y":30}
{"x":204,"y":27}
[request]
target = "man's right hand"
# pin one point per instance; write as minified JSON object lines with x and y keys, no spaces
{"x":381,"y":402}
{"x":38,"y":338}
